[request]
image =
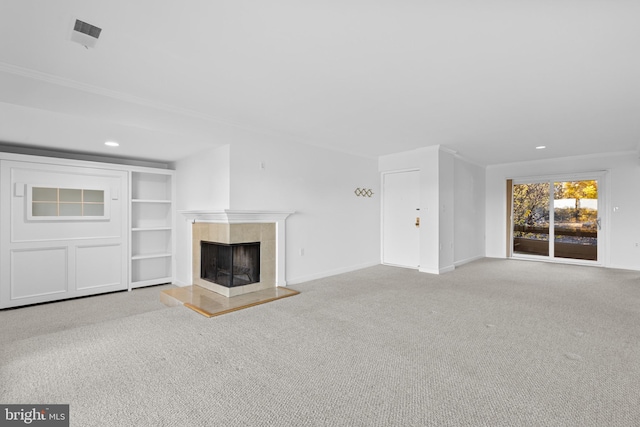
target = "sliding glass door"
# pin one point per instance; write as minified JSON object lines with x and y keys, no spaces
{"x":556,"y":218}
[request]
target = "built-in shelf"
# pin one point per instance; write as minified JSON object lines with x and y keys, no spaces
{"x":149,"y":256}
{"x":151,"y":229}
{"x":152,"y":233}
{"x":150,"y":201}
{"x":151,"y":282}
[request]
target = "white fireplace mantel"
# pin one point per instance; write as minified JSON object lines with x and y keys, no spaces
{"x":228,"y":216}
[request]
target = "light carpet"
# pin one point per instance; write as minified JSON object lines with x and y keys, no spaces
{"x":493,"y":343}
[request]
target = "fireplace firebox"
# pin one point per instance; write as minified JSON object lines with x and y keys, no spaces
{"x":230,"y":265}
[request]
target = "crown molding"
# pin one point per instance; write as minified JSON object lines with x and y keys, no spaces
{"x":119,"y":96}
{"x":125,"y":97}
{"x":629,"y":153}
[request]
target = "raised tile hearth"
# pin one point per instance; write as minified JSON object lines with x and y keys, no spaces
{"x":211,"y":304}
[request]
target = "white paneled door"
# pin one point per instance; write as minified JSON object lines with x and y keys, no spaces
{"x":400,"y":219}
{"x":63,"y":232}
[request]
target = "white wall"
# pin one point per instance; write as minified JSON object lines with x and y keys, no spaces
{"x":621,"y":227}
{"x":336,"y":230}
{"x":469,"y":212}
{"x":204,"y":179}
{"x":446,"y":178}
{"x":452,"y":206}
{"x":400,"y":161}
{"x":430,"y":216}
{"x":202,"y":182}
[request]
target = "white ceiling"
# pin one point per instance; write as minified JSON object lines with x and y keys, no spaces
{"x":489,"y":79}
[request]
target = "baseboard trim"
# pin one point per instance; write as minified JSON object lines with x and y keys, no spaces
{"x":447,"y":269}
{"x":400,"y":266}
{"x":468,"y":260}
{"x":330,"y":273}
{"x":180,"y":283}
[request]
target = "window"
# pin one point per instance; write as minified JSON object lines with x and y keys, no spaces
{"x":66,"y":203}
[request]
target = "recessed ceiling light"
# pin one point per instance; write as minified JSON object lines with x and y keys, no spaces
{"x":541,"y":147}
{"x":112,"y":144}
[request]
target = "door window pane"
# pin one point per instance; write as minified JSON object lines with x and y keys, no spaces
{"x":45,"y":209}
{"x":70,"y":195}
{"x":94,"y":209}
{"x":43,"y":194}
{"x":531,"y":218}
{"x":70,"y":209}
{"x":93,"y":196}
{"x":575,"y":210}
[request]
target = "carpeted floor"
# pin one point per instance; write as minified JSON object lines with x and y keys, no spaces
{"x":494,"y":343}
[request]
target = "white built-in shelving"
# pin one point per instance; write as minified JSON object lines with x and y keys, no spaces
{"x":152,"y":227}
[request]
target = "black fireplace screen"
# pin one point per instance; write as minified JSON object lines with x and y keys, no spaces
{"x":230,"y":265}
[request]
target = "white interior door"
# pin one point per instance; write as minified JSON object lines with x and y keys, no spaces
{"x":400,"y":219}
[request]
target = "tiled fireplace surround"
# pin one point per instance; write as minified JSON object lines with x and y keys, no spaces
{"x":231,"y":227}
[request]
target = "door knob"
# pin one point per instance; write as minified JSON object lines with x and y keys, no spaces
{"x":417,"y":221}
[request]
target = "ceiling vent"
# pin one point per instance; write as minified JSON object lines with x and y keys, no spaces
{"x":85,"y":34}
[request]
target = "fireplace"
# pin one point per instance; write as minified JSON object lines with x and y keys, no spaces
{"x":230,"y":265}
{"x":238,"y":230}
